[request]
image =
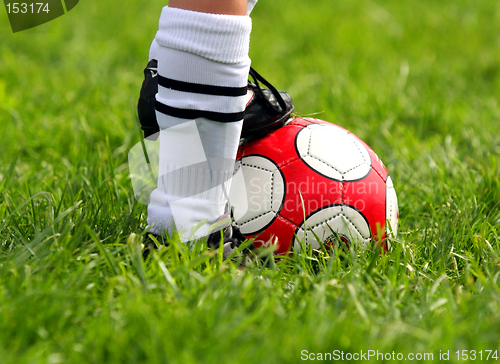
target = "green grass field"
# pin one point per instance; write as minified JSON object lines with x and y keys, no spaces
{"x":419,"y":81}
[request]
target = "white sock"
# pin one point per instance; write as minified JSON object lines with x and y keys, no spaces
{"x":203,"y":68}
{"x":153,"y":50}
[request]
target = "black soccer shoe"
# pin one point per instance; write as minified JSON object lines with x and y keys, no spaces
{"x":231,"y":239}
{"x":267,"y":109}
{"x":146,"y":103}
{"x":152,"y":242}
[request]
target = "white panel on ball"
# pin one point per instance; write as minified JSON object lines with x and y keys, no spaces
{"x":333,"y":152}
{"x":391,"y":209}
{"x":265,"y":190}
{"x":340,"y":219}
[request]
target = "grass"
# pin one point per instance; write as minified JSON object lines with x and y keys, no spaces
{"x":418,"y":81}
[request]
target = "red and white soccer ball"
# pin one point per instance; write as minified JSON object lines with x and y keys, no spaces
{"x":312,"y":180}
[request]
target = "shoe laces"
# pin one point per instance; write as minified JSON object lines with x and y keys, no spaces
{"x":258,"y":89}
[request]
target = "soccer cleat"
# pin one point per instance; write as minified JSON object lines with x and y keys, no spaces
{"x":230,"y":237}
{"x":266,"y":109}
{"x":226,"y":233}
{"x":150,"y":242}
{"x":146,"y":103}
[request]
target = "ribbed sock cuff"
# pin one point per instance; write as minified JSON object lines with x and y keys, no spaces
{"x":220,"y":38}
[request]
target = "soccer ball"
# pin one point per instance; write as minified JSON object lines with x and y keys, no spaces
{"x":312,"y":181}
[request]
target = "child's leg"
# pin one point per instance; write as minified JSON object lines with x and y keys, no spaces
{"x":203,"y":68}
{"x":226,"y":7}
